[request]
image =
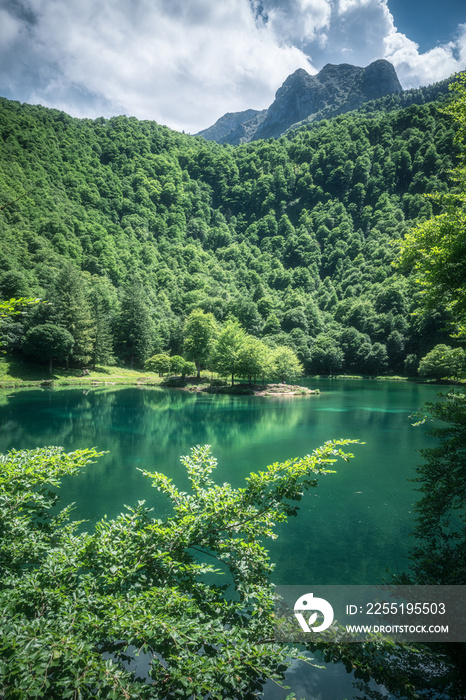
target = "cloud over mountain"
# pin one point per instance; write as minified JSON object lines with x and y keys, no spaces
{"x":186,"y":63}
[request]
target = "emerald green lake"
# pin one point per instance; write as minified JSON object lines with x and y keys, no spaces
{"x":352,"y":529}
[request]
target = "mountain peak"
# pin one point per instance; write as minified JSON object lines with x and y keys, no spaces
{"x":336,"y":89}
{"x":232,"y":123}
{"x":299,"y":72}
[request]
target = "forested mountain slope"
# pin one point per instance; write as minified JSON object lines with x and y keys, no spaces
{"x":127,"y":226}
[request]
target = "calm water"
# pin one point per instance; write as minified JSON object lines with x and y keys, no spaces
{"x":353,"y":528}
{"x":350,"y":529}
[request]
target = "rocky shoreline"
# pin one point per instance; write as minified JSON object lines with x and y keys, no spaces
{"x":254,"y":389}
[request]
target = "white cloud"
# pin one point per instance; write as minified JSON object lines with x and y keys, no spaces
{"x":186,"y":62}
{"x":10,"y":28}
{"x":348,"y":5}
{"x":356,"y":31}
{"x":415,"y":69}
{"x":361,"y":31}
{"x":176,"y":62}
{"x":295,"y":21}
{"x":333,"y":31}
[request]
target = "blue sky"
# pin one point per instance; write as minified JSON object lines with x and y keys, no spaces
{"x":184,"y":63}
{"x":428,"y":23}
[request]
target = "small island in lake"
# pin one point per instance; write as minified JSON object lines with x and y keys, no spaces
{"x":262,"y":390}
{"x":241,"y":389}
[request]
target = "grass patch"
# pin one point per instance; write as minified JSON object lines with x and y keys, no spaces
{"x":15,"y":373}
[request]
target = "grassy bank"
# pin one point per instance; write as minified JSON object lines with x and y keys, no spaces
{"x":14,"y":373}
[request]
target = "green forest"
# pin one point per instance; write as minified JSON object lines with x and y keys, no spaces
{"x":125,"y":228}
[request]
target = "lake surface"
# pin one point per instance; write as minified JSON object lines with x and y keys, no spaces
{"x":352,"y":529}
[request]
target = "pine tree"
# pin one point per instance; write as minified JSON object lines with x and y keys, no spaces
{"x":103,"y":343}
{"x":72,"y":311}
{"x":104,"y":305}
{"x":136,"y":332}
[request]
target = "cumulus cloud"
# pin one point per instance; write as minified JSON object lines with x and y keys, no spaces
{"x":361,"y":31}
{"x":415,"y":68}
{"x":355,"y":32}
{"x":300,"y":21}
{"x":185,"y":63}
{"x":176,"y":62}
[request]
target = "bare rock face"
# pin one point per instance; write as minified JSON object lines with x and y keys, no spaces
{"x":377,"y":80}
{"x":236,"y":125}
{"x":303,"y":98}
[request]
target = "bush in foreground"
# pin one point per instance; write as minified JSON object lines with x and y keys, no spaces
{"x":76,"y":607}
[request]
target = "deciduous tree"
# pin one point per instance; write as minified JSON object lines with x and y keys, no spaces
{"x":179,"y":365}
{"x":286,"y":365}
{"x":255,"y":359}
{"x":160,"y":363}
{"x":227,"y":353}
{"x":199,"y":334}
{"x":48,"y":342}
{"x":442,"y":361}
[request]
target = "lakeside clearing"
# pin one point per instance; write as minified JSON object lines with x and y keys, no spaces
{"x":17,"y":374}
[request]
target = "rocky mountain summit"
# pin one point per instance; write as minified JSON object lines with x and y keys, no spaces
{"x":336,"y":89}
{"x":240,"y":126}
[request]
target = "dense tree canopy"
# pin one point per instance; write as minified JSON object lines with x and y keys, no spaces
{"x":436,"y":248}
{"x":138,"y":226}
